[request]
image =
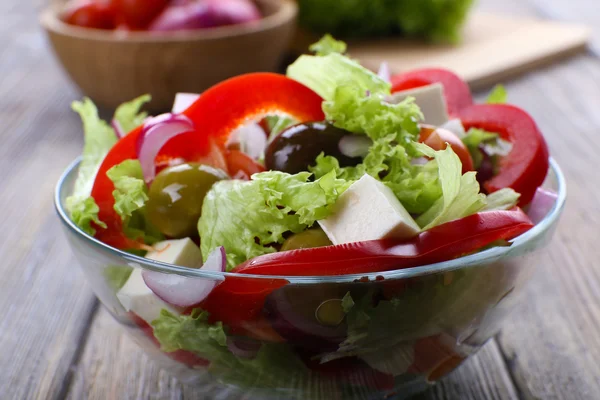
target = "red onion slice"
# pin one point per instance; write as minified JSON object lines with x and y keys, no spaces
{"x":182,"y":291}
{"x":384,"y":72}
{"x":543,"y":201}
{"x":156,"y":133}
{"x":116,"y":125}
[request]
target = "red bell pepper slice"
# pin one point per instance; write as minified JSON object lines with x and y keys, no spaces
{"x":444,"y":242}
{"x":238,"y":301}
{"x":456,"y":91}
{"x":524,"y":169}
{"x":219,"y":111}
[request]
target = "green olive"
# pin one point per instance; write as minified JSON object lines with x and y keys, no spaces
{"x":306,"y":240}
{"x":176,"y":197}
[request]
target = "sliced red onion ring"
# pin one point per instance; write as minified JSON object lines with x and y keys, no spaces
{"x":183,"y":291}
{"x":243,"y":347}
{"x":156,"y":133}
{"x":543,"y":201}
{"x":251,"y":138}
{"x":355,"y":145}
{"x":116,"y":125}
{"x":384,"y":72}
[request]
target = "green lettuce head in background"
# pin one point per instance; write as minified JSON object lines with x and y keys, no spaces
{"x":436,"y":20}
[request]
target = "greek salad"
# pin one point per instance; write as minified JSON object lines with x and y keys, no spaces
{"x":328,"y":170}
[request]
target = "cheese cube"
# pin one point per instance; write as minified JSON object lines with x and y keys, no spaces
{"x":182,"y":252}
{"x":183,"y":101}
{"x":368,"y":210}
{"x":135,"y":296}
{"x":430,"y":99}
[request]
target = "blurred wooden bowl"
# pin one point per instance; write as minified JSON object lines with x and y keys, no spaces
{"x":112,"y":67}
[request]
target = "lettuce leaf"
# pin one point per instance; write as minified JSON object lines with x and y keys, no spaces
{"x":461,"y":195}
{"x":503,"y":199}
{"x":84,"y":211}
{"x":99,"y":138}
{"x":274,"y":366}
{"x":324,"y":74}
{"x":498,"y":95}
{"x":431,"y":19}
{"x":247,"y":218}
{"x":328,"y":45}
{"x":131,"y":195}
{"x":355,"y":111}
{"x":128,"y":115}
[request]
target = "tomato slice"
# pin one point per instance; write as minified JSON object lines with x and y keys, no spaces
{"x":95,"y":15}
{"x":242,"y":166}
{"x":439,"y":139}
{"x":444,"y":242}
{"x":457,"y":92}
{"x":217,"y":113}
{"x":525,"y":168}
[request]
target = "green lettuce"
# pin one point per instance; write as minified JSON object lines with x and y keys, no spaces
{"x":328,"y":45}
{"x":131,"y":195}
{"x":477,"y":140}
{"x":498,"y":95}
{"x":503,"y":199}
{"x":128,"y":115}
{"x":352,"y":109}
{"x":461,"y":195}
{"x":324,"y":74}
{"x":431,"y":19}
{"x":99,"y":138}
{"x":247,"y":218}
{"x":274,"y":366}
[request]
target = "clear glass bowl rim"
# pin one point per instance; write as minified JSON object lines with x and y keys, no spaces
{"x":481,"y":258}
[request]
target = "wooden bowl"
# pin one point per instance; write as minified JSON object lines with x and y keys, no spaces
{"x":112,"y":67}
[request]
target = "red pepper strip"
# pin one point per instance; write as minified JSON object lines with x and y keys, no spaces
{"x":230,"y":104}
{"x":457,"y":92}
{"x":182,"y":356}
{"x":444,"y":242}
{"x":238,"y":303}
{"x":219,"y":111}
{"x":524,"y":169}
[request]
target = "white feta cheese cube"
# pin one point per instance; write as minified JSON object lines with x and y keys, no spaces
{"x":136,"y":297}
{"x":183,"y":101}
{"x":430,"y":99}
{"x":368,"y":210}
{"x":181,"y":252}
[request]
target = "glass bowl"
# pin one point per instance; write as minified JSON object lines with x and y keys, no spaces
{"x":371,"y":336}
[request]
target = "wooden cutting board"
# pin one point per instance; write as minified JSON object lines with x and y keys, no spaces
{"x":494,"y":48}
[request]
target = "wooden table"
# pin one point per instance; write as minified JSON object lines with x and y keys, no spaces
{"x":56,"y":342}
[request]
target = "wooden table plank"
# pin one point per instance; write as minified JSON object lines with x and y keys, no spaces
{"x":44,"y":304}
{"x":553,"y":341}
